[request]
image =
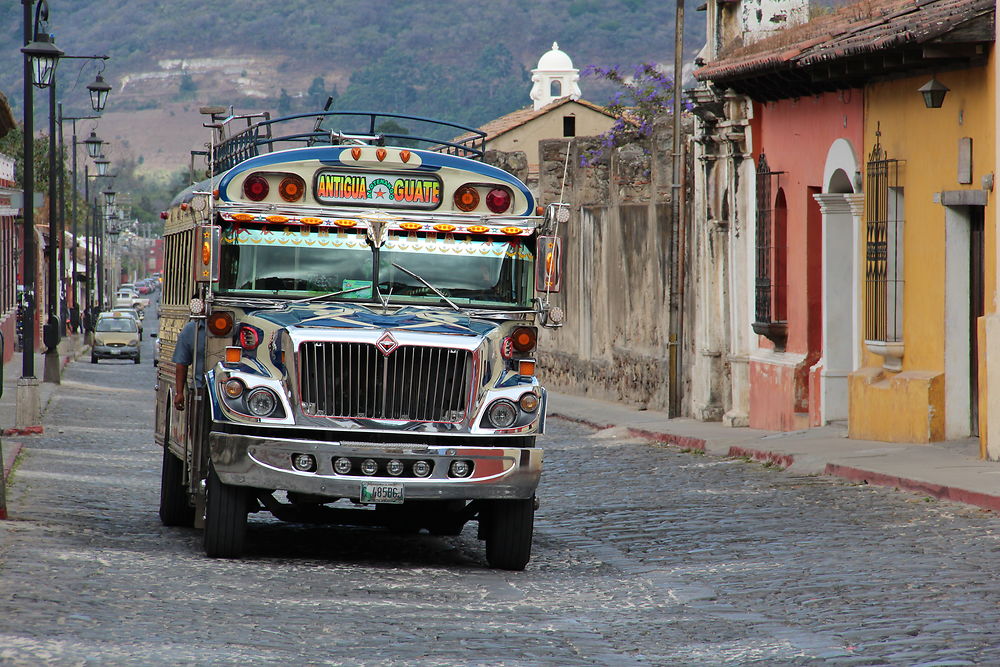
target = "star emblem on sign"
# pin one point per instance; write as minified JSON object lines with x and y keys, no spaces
{"x":386,"y":344}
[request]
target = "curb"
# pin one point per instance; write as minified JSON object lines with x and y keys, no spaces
{"x":11,"y":450}
{"x":850,"y":473}
{"x":939,"y":491}
{"x":28,"y":430}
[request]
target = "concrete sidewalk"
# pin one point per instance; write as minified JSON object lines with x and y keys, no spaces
{"x":949,"y":471}
{"x":12,"y":442}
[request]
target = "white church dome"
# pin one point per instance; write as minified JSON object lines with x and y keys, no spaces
{"x":554,"y":78}
{"x":555,"y":60}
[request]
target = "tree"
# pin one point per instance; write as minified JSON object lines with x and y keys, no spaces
{"x":317,"y":93}
{"x":644,"y":95}
{"x":284,"y":103}
{"x":188,"y":87}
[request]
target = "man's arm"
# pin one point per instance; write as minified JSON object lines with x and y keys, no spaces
{"x":183,"y":357}
{"x":180,"y":379}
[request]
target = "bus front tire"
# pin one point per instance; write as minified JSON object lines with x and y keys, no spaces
{"x":174,"y":507}
{"x":509,"y":530}
{"x":225,"y":518}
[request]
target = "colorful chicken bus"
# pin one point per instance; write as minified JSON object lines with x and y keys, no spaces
{"x":365,"y":306}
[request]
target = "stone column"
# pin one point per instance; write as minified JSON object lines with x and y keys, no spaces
{"x":841,"y":299}
{"x":28,"y":412}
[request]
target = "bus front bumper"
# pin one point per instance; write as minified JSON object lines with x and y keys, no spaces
{"x":269,"y":463}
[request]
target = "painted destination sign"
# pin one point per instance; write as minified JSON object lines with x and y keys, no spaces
{"x":381,"y":189}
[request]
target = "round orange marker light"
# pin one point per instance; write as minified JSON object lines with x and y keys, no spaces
{"x":206,"y":253}
{"x":524,"y":339}
{"x":479,"y":229}
{"x":345,"y":223}
{"x":411,"y":226}
{"x":233,"y":387}
{"x":466,"y":198}
{"x":311,"y":221}
{"x":243,"y":217}
{"x":276,"y":218}
{"x":444,"y":227}
{"x":220,"y":323}
{"x":292,"y":188}
{"x":511,"y":231}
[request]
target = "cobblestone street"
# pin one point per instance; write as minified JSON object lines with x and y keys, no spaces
{"x":643,"y":555}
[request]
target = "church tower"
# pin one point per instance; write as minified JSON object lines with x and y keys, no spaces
{"x":555,"y":77}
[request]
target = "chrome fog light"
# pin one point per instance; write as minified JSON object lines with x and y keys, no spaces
{"x":303,"y":462}
{"x":394,"y":467}
{"x":502,"y":414}
{"x":460,"y":468}
{"x":342,"y":466}
{"x":261,"y":402}
{"x":421,"y":468}
{"x":369,"y":467}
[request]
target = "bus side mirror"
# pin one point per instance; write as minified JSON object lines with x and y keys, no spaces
{"x":206,"y":254}
{"x":548,"y":268}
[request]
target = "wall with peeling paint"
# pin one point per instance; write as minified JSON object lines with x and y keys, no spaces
{"x":617,"y":281}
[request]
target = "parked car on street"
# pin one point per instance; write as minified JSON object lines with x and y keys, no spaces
{"x":116,"y":336}
{"x":125,"y":311}
{"x":128,"y":297}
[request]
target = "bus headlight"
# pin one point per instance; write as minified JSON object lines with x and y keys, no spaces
{"x":502,"y":414}
{"x":262,"y":402}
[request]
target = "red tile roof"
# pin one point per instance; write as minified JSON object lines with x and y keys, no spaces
{"x":819,"y":55}
{"x":514,"y":119}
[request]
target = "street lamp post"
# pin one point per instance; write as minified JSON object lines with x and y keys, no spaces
{"x":39,"y":61}
{"x":50,"y":331}
{"x":93,"y":144}
{"x":107,"y":230}
{"x":58,"y":289}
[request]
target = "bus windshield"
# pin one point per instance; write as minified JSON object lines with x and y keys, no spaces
{"x":471,"y":270}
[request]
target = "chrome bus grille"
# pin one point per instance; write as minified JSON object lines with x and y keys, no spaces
{"x":356,"y":380}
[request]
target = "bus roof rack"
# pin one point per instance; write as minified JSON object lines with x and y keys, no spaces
{"x":263,"y":134}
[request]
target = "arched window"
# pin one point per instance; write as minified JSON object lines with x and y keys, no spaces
{"x":555,"y":89}
{"x":770,"y":287}
{"x":883,"y":248}
{"x":779,"y":258}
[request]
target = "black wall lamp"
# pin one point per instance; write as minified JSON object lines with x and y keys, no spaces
{"x":933,"y":92}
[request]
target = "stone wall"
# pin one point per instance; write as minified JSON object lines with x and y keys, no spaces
{"x":617,"y":281}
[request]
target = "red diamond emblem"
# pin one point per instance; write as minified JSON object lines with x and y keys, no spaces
{"x":386,"y":344}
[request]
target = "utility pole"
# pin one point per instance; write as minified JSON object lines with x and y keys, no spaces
{"x":676,"y":327}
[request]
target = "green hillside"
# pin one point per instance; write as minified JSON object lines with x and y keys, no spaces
{"x":465,"y":60}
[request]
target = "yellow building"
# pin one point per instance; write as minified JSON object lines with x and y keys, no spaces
{"x":928,"y":255}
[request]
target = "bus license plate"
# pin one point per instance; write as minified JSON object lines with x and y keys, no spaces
{"x":387,"y":492}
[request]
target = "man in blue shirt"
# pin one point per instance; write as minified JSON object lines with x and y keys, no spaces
{"x":184,"y":356}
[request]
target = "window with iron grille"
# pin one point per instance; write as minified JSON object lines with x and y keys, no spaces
{"x":770,"y":318}
{"x":883,"y":248}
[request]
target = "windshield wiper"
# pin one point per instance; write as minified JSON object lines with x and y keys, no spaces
{"x":428,"y":285}
{"x":327,"y":296}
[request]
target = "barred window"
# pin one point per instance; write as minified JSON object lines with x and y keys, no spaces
{"x":770,"y":285}
{"x":883,"y":248}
